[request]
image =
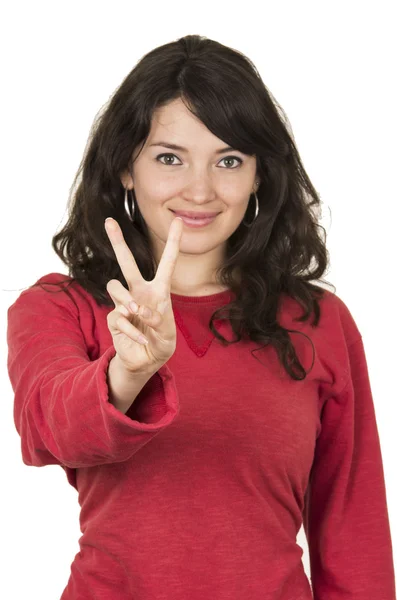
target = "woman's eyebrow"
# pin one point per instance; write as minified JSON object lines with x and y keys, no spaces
{"x":182,"y":149}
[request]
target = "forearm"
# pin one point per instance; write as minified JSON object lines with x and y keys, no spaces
{"x":124,"y":387}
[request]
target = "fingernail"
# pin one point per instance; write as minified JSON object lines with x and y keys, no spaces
{"x":146,"y":312}
{"x":133,"y":306}
{"x":110,"y":224}
{"x":142,"y":340}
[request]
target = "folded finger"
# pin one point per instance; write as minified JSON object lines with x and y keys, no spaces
{"x":121,"y":296}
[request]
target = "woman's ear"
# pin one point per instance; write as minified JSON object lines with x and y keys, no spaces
{"x":126,"y":180}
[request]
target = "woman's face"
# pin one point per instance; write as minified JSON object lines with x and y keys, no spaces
{"x":197,"y":179}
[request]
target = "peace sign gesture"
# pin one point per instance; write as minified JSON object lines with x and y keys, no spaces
{"x":127,"y":325}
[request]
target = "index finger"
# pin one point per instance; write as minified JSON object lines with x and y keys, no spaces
{"x":124,"y":256}
{"x":170,"y":253}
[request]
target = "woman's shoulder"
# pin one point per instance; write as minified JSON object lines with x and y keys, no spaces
{"x":54,"y":289}
{"x":335,"y":318}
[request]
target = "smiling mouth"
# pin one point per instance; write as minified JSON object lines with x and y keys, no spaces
{"x":193,"y":215}
{"x":195,"y":222}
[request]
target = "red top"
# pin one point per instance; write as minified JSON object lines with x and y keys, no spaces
{"x":200,"y":490}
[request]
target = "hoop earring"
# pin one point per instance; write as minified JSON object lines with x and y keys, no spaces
{"x":130,"y":213}
{"x":256,"y":211}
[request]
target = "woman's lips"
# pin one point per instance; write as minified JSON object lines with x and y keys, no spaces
{"x":195,"y":222}
{"x":195,"y":215}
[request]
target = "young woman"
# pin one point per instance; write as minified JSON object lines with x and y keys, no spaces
{"x":202,"y":433}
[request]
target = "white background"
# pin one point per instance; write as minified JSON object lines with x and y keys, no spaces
{"x":331,"y":66}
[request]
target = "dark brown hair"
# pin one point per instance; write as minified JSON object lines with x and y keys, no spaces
{"x":279,"y":254}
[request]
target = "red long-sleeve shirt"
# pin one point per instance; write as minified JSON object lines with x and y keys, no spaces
{"x":200,"y":489}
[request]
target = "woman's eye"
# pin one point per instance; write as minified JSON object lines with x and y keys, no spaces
{"x":170,"y":155}
{"x":229,"y":158}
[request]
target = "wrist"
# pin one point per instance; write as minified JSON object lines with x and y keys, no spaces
{"x":121,"y":368}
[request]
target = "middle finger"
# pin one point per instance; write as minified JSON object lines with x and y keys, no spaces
{"x":169,"y":257}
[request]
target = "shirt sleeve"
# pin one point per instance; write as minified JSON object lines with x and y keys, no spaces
{"x":345,"y":517}
{"x":61,"y":397}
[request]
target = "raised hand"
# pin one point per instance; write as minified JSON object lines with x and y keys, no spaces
{"x":126,"y":324}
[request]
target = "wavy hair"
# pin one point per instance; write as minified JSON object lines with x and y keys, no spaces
{"x":279,"y":254}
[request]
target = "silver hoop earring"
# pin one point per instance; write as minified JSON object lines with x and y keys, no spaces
{"x":256,"y":212}
{"x":131,"y":213}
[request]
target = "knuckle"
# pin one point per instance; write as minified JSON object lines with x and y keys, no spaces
{"x":145,"y":311}
{"x":120,"y":320}
{"x":124,"y":310}
{"x":117,"y":291}
{"x":109,"y":317}
{"x":110,"y":287}
{"x":157,"y":317}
